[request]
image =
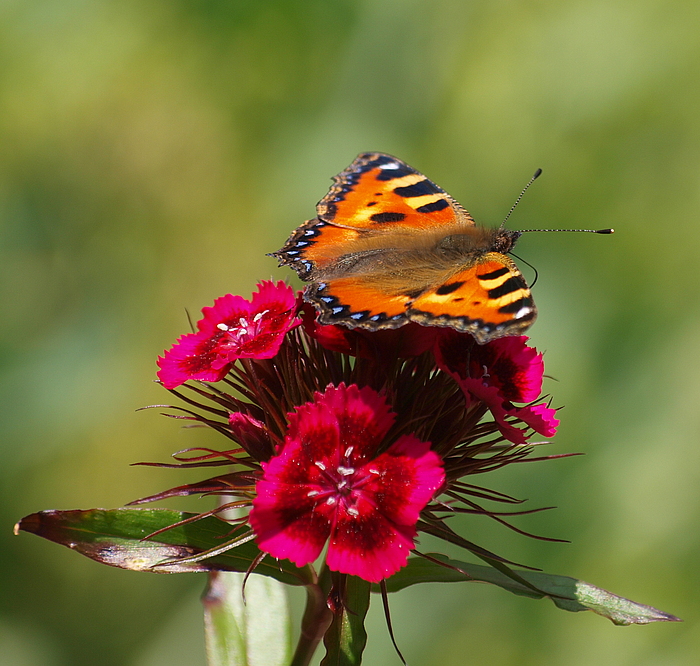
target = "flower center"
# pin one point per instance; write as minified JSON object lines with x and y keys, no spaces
{"x":341,"y":486}
{"x":246,"y":330}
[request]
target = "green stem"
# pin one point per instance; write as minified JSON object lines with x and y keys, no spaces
{"x":317,"y":618}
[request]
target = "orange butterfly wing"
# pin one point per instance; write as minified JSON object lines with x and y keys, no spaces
{"x":378,"y":189}
{"x":489,"y":300}
{"x":375,"y":196}
{"x":389,"y":246}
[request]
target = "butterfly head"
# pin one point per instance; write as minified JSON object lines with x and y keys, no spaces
{"x":505,"y":240}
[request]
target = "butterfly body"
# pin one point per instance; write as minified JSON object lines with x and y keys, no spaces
{"x":389,"y":246}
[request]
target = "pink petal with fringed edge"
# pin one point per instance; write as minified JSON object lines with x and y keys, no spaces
{"x":191,"y":357}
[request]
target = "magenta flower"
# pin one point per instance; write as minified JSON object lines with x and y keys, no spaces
{"x":499,"y":373}
{"x":346,"y":437}
{"x":233,"y":328}
{"x":507,"y":363}
{"x":330,"y":481}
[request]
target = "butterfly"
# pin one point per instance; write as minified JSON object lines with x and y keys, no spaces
{"x":388,"y":247}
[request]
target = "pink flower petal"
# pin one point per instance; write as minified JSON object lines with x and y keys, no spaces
{"x":371,"y":549}
{"x":288,"y":523}
{"x":192,"y":357}
{"x":516,"y":368}
{"x":538,"y":417}
{"x":360,"y":417}
{"x":410,"y":474}
{"x":375,"y":543}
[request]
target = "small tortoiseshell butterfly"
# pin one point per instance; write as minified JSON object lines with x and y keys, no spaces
{"x":388,"y":246}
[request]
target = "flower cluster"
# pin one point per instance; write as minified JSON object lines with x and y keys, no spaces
{"x":346,"y":437}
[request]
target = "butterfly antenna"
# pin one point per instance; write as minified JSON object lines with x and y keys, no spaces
{"x":536,"y":175}
{"x":585,"y":231}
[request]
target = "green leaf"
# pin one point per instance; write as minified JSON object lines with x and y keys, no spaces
{"x":115,"y":537}
{"x":346,"y":638}
{"x":567,"y":593}
{"x":246,"y":631}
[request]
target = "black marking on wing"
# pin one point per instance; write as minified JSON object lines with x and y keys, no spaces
{"x":516,"y":306}
{"x":387,"y":217}
{"x":418,"y":189}
{"x":445,"y":289}
{"x":433,"y":207}
{"x":499,"y":272}
{"x":512,"y":284}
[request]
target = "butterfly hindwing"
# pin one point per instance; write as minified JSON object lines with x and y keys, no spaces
{"x":489,"y":300}
{"x":357,"y":302}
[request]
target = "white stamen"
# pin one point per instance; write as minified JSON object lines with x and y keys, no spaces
{"x":320,"y":465}
{"x":222,"y":327}
{"x":345,"y":471}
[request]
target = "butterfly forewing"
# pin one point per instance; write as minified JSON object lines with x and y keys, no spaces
{"x":378,"y":191}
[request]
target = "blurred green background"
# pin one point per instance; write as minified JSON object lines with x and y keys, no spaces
{"x":153,"y":151}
